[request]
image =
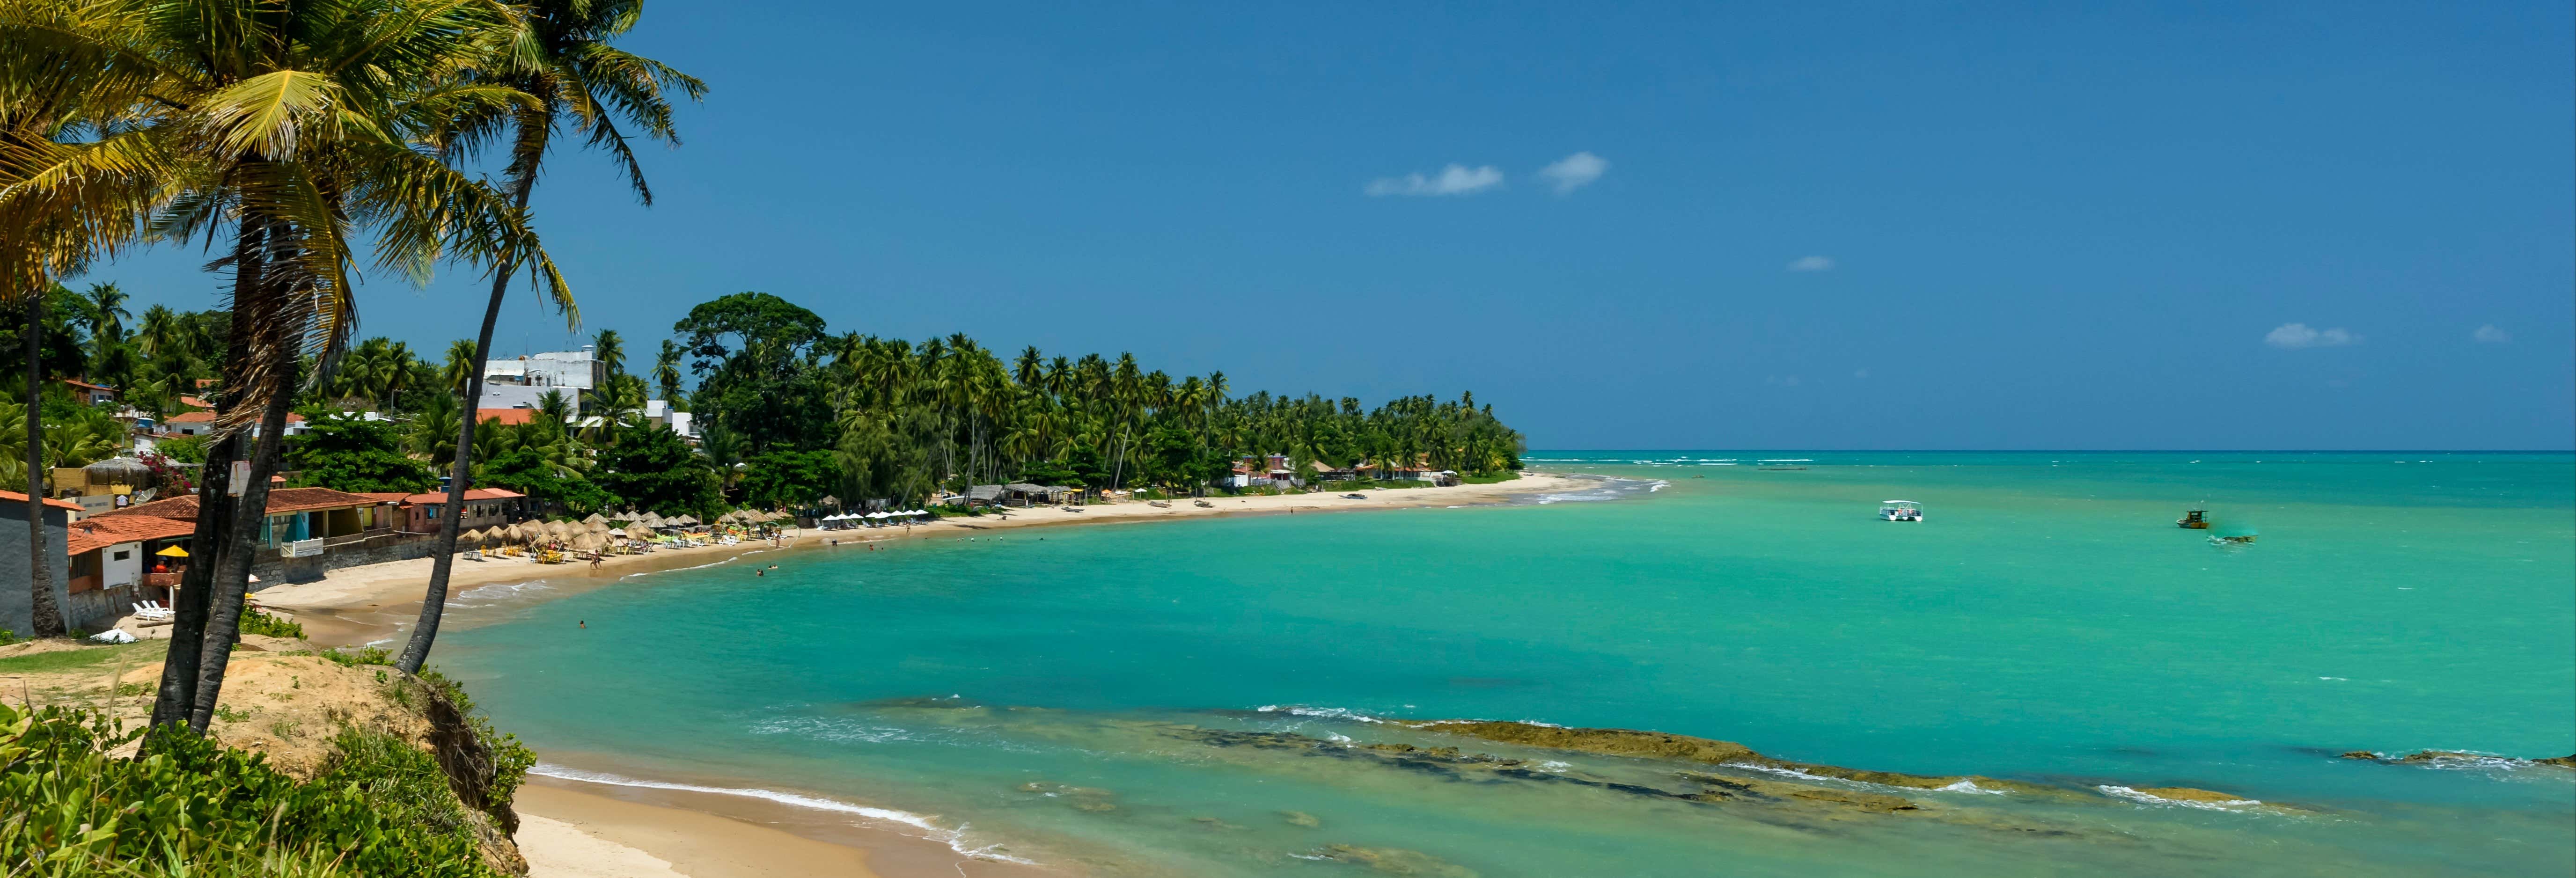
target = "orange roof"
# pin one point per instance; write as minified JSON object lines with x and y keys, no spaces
{"x":385,"y":496}
{"x":91,"y":534}
{"x":21,"y":499}
{"x":209,"y":417}
{"x":280,"y":502}
{"x":75,"y":382}
{"x":506,"y":416}
{"x":471,"y":495}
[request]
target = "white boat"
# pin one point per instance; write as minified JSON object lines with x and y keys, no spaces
{"x":1900,"y":510}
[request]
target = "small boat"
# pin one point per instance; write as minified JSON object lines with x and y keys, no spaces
{"x":2195,"y":519}
{"x":1900,"y":510}
{"x":1202,"y":504}
{"x":1355,"y":496}
{"x":2235,"y":540}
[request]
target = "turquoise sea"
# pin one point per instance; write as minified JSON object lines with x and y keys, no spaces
{"x":1198,"y":697}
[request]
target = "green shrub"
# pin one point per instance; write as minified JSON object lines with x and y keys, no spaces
{"x":196,"y":809}
{"x":510,"y":758}
{"x":372,"y":655}
{"x":265,"y":625}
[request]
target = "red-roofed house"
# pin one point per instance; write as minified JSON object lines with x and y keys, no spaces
{"x":92,"y":394}
{"x":113,"y":565}
{"x":201,"y":423}
{"x":504,"y":416}
{"x":306,"y":530}
{"x":484,"y":507}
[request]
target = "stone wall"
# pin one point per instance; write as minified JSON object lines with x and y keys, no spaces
{"x":273,"y":569}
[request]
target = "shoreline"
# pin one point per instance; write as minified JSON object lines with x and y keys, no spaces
{"x":580,"y":828}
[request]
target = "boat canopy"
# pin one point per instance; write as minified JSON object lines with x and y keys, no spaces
{"x":1893,"y":502}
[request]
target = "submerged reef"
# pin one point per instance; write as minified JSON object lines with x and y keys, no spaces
{"x":2440,"y":757}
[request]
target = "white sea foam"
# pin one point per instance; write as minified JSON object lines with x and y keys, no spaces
{"x":1968,"y":786}
{"x":953,"y":838}
{"x":497,"y":591}
{"x":1319,"y":712}
{"x":1553,"y":765}
{"x":1658,"y":486}
{"x":694,"y":567}
{"x":2145,"y":799}
{"x":824,"y":729}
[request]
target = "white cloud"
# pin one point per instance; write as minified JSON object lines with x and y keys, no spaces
{"x":2293,"y":336}
{"x":2489,"y":334}
{"x":1575,"y":171}
{"x":1812,"y":263}
{"x":1453,"y":180}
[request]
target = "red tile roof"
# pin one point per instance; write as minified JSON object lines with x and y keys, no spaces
{"x":209,"y":417}
{"x":21,"y":500}
{"x":90,"y":534}
{"x":280,"y":501}
{"x":471,"y":495}
{"x":506,"y":416}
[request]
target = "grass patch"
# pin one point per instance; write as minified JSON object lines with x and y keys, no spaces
{"x":73,"y":659}
{"x":1496,"y":478}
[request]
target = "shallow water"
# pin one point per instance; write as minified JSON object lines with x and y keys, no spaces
{"x":1167,"y":698}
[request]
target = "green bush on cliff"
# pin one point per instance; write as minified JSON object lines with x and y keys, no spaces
{"x":510,"y":758}
{"x":196,"y":809}
{"x":265,"y":625}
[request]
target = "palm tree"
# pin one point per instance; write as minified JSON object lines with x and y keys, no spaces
{"x":463,"y":364}
{"x":302,"y":128}
{"x":563,"y":58}
{"x":666,"y":372}
{"x":609,"y":349}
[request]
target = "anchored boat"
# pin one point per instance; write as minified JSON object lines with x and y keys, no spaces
{"x":1900,"y":510}
{"x":2195,"y":519}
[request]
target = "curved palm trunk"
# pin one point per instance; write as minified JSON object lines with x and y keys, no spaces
{"x":433,"y":601}
{"x":48,"y":614}
{"x":223,"y":622}
{"x":215,"y":508}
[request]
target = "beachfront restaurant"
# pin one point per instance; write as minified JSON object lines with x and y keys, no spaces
{"x":118,"y":561}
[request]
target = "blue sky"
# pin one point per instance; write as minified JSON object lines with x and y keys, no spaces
{"x":2345,"y":225}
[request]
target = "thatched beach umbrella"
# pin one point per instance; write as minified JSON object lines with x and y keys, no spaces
{"x":595,"y":518}
{"x":471,"y":536}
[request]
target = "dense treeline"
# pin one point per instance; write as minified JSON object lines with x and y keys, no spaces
{"x":899,"y":420}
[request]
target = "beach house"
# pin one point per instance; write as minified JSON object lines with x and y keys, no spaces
{"x":117,"y":561}
{"x":484,"y":507}
{"x":305,"y":532}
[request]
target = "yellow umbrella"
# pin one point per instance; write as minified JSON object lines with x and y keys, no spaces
{"x":174,"y":552}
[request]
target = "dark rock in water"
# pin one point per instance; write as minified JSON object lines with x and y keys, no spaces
{"x":2362,"y":754}
{"x":2424,"y":756}
{"x":1394,"y":861}
{"x":2188,"y":794}
{"x":1628,"y":742}
{"x":1871,"y":802}
{"x":1615,"y":742}
{"x":1301,"y":818}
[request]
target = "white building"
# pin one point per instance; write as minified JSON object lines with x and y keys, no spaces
{"x":524,"y":396}
{"x":570,"y":370}
{"x":659,"y":411}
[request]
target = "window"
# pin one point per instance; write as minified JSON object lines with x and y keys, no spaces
{"x":124,"y":555}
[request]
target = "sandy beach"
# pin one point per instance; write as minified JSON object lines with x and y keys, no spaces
{"x":576,"y":829}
